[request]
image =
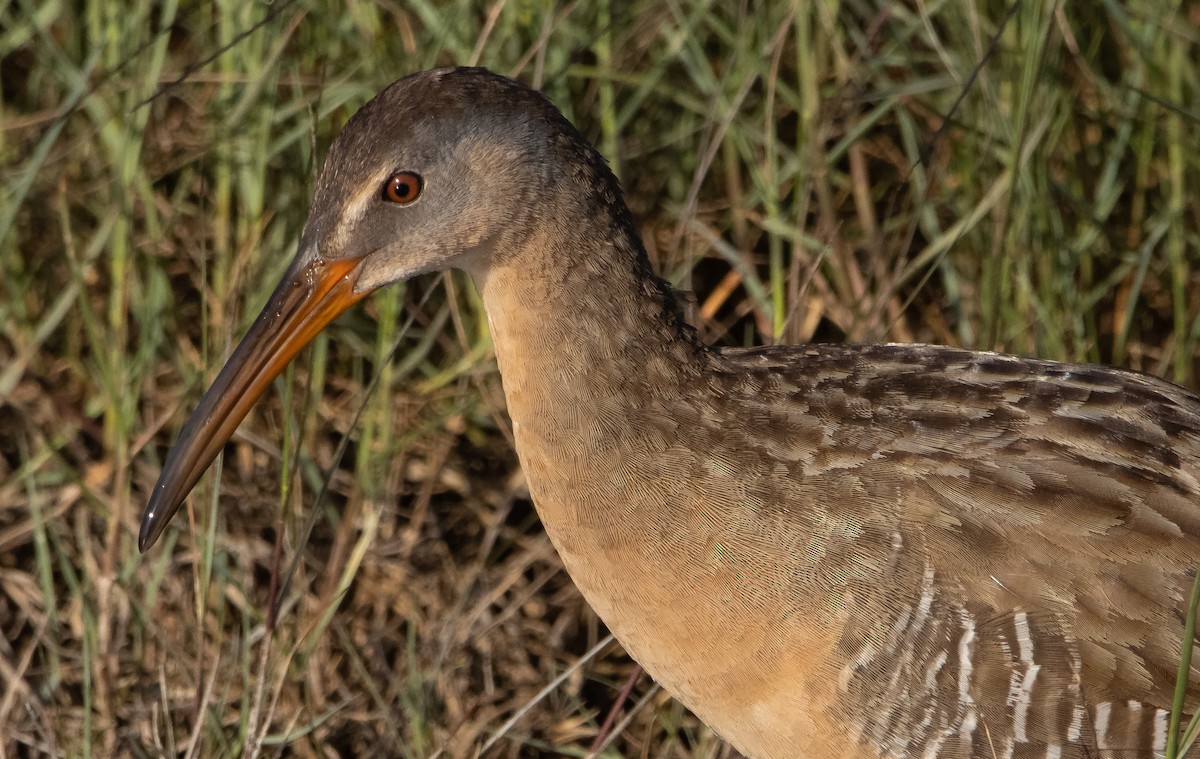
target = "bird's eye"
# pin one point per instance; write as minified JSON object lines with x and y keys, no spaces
{"x":402,"y":188}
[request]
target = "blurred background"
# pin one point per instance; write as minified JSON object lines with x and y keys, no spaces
{"x":371,"y":578}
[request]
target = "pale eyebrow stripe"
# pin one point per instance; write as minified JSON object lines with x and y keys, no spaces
{"x":355,"y":206}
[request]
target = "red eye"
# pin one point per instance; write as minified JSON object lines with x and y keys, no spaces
{"x":402,"y":188}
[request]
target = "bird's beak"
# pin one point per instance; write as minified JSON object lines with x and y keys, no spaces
{"x":311,"y":294}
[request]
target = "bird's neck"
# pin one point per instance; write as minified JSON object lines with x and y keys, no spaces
{"x":587,"y":341}
{"x":617,"y":413}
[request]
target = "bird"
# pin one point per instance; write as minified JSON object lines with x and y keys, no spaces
{"x":822,"y":550}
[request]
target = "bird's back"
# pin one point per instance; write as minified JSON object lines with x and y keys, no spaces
{"x":1004,"y":546}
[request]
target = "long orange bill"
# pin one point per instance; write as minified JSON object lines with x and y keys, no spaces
{"x":308,"y":298}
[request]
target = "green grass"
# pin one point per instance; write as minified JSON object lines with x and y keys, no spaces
{"x":939,"y":172}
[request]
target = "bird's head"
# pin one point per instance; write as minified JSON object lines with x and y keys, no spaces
{"x":442,"y":169}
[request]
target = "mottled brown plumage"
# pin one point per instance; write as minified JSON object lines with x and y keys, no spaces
{"x":825,"y":551}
